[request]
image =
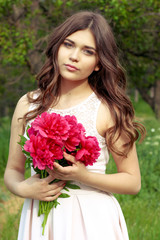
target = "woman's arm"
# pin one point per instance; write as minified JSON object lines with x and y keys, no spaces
{"x":127,"y":180}
{"x":33,"y":187}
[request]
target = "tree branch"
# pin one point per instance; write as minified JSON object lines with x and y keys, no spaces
{"x":17,"y":79}
{"x":145,"y":55}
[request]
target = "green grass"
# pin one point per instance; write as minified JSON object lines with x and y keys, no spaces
{"x":141,"y":211}
{"x":142,"y":216}
{"x":142,"y":109}
{"x":10,"y":228}
{"x":4,"y":142}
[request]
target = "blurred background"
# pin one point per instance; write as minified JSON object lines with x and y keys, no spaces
{"x":24,"y":29}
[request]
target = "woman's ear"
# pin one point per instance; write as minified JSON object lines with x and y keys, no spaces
{"x":97,"y":67}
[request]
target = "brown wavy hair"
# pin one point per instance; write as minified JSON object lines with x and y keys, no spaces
{"x":109,"y":83}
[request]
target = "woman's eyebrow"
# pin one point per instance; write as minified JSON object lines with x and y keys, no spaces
{"x":89,"y":47}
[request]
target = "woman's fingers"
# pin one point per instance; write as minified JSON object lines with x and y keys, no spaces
{"x":52,"y":191}
{"x":65,"y":173}
{"x":36,"y":188}
{"x":69,"y":157}
{"x":36,"y":175}
{"x":58,"y":169}
{"x":52,"y":197}
{"x":57,"y":185}
{"x":50,"y":178}
{"x":56,"y":190}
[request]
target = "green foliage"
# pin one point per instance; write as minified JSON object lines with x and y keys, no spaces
{"x":4,"y":143}
{"x":142,"y":109}
{"x":14,"y":46}
{"x":134,"y":24}
{"x":14,"y":82}
{"x":6,"y":7}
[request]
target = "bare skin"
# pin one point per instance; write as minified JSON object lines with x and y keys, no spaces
{"x":127,"y":180}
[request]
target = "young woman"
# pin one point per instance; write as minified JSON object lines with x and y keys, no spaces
{"x":83,"y":77}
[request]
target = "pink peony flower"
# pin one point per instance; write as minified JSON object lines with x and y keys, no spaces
{"x":89,"y":150}
{"x":52,"y":126}
{"x":51,"y":134}
{"x":31,"y":131}
{"x":74,"y":133}
{"x":43,"y":152}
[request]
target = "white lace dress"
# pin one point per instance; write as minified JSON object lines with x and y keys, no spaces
{"x":88,"y":214}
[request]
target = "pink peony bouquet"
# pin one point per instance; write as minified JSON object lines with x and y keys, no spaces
{"x":49,"y":135}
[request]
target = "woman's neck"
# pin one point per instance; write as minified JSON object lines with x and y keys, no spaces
{"x":75,"y":88}
{"x":73,"y":93}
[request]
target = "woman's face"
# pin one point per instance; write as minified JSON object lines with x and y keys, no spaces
{"x":77,"y":56}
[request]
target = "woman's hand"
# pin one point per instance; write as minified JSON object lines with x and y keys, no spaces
{"x":40,"y":189}
{"x":77,"y":171}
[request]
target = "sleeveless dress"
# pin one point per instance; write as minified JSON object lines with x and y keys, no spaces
{"x":88,"y":214}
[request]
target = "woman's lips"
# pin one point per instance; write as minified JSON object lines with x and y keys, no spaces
{"x":71,"y":68}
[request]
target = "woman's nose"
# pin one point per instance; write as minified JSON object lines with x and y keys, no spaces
{"x":74,"y":56}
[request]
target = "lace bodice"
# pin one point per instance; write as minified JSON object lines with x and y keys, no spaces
{"x":86,"y":113}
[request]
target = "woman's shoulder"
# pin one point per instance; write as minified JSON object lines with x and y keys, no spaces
{"x":104,"y":118}
{"x":22,"y":107}
{"x":20,"y":110}
{"x":105,"y":111}
{"x":24,"y":103}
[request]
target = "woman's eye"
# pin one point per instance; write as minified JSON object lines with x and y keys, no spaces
{"x":88,"y":52}
{"x":67,"y":44}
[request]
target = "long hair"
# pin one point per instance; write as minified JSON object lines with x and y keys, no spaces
{"x":109,"y":83}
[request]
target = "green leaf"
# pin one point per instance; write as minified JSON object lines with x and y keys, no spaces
{"x":28,"y":163}
{"x":72,"y":186}
{"x":66,"y":189}
{"x":22,"y":140}
{"x":29,"y":160}
{"x":38,"y":171}
{"x":26,"y":153}
{"x":55,"y":181}
{"x":27,"y":131}
{"x":64,"y":195}
{"x":54,"y":204}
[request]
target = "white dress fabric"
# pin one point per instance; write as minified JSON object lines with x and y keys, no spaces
{"x":88,"y":214}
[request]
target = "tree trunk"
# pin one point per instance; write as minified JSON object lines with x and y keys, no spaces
{"x":146,"y":97}
{"x":157,"y":99}
{"x":136,"y":95}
